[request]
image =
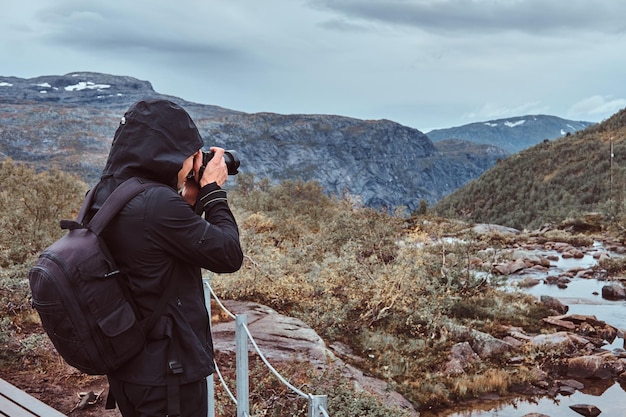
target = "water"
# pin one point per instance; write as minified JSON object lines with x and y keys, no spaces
{"x":583,"y":296}
{"x":612,"y":402}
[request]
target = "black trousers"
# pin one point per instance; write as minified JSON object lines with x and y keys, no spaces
{"x":147,"y":401}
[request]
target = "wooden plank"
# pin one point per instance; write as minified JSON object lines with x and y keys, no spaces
{"x":11,"y":396}
{"x":10,"y":409}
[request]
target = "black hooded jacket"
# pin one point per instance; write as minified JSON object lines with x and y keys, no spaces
{"x":158,"y":237}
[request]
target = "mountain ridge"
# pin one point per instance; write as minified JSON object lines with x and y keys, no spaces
{"x":513,"y":134}
{"x":69,"y":121}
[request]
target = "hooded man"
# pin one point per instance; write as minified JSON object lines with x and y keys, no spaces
{"x":160,"y":237}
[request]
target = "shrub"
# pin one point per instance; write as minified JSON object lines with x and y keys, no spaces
{"x":373,"y":281}
{"x":31,"y":205}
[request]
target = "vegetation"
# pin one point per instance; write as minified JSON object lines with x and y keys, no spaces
{"x":390,"y":288}
{"x":375,"y":282}
{"x":31,"y":205}
{"x":550,"y":182}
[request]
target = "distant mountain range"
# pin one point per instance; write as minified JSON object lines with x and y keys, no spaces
{"x":575,"y":178}
{"x":69,"y":120}
{"x":513,"y":134}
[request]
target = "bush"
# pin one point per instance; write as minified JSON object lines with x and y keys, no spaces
{"x":368,"y":279}
{"x":31,"y":205}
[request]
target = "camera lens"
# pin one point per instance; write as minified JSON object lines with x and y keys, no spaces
{"x":230,"y":157}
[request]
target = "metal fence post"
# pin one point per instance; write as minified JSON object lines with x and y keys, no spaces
{"x":317,"y":403}
{"x":241,"y":322}
{"x":210,"y":385}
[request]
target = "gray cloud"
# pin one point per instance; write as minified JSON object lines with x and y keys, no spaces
{"x":488,"y":16}
{"x":98,"y":26}
{"x":423,"y":63}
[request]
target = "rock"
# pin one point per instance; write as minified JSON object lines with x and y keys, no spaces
{"x":592,"y":328}
{"x":586,"y":410}
{"x":280,"y":338}
{"x":613,"y":291}
{"x":483,"y":228}
{"x":573,"y":253}
{"x":554,"y":304}
{"x":461,"y":356}
{"x":528,"y":282}
{"x":560,"y":323}
{"x":559,"y":338}
{"x":510,"y":268}
{"x":484,"y":344}
{"x":589,"y":367}
{"x":572,"y":383}
{"x":585,"y":273}
{"x":283,"y":339}
{"x":515,"y":343}
{"x":565,"y":390}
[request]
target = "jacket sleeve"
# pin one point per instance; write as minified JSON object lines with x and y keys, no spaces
{"x":211,"y":242}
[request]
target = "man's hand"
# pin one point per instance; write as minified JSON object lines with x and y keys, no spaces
{"x":190,"y":191}
{"x":215,"y":171}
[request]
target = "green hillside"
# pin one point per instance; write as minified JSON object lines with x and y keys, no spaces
{"x":550,"y":182}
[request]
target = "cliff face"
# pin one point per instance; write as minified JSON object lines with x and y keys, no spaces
{"x":69,"y":121}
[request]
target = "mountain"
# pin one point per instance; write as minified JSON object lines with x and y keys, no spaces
{"x":513,"y":134}
{"x":68,"y":121}
{"x":549,"y":182}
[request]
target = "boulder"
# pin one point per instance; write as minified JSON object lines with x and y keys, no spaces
{"x":509,"y":268}
{"x":613,"y":291}
{"x":484,"y":344}
{"x":558,"y":338}
{"x":554,"y":304}
{"x":528,"y":282}
{"x":594,"y":367}
{"x":586,"y":410}
{"x":461,"y":356}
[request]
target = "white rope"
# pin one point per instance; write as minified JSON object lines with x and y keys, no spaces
{"x":279,"y":376}
{"x":261,"y":355}
{"x":219,"y":374}
{"x":232,"y":316}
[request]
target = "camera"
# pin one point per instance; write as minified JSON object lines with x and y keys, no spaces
{"x":230,"y":157}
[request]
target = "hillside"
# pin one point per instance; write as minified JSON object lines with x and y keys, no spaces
{"x":551,"y":181}
{"x":513,"y":134}
{"x":69,"y":120}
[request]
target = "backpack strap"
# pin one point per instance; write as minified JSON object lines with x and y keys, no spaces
{"x":115,"y":202}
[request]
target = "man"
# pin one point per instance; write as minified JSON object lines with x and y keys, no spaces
{"x":159,"y":238}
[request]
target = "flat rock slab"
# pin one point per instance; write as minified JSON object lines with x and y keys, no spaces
{"x":282,"y":339}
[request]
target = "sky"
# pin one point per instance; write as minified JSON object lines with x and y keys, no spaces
{"x":426,"y":64}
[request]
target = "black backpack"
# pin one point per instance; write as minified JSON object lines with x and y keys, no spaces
{"x":84,"y":306}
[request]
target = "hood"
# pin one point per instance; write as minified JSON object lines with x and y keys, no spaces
{"x":152,"y":141}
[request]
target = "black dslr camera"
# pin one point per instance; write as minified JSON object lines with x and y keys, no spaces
{"x":230,"y":157}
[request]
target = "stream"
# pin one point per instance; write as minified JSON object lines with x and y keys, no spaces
{"x":582,"y":296}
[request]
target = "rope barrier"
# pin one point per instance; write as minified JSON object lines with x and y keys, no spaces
{"x":309,"y":397}
{"x":223,"y":381}
{"x":274,"y":371}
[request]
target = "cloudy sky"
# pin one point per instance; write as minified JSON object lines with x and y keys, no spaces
{"x":423,"y":63}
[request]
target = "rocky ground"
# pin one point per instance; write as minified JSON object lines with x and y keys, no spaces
{"x":282,"y":339}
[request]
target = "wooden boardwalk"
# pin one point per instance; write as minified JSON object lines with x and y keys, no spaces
{"x":16,"y":403}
